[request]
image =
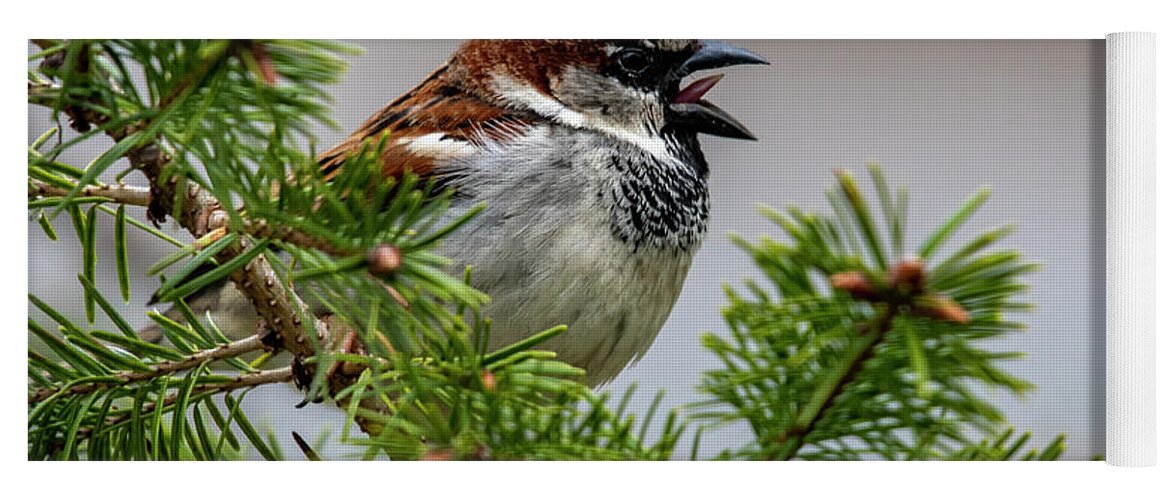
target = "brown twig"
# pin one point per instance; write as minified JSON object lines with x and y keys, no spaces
{"x":278,"y":375}
{"x":202,"y":213}
{"x":261,"y":229}
{"x":127,"y":195}
{"x":223,"y":351}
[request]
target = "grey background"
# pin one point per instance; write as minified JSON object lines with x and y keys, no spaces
{"x":1024,"y":117}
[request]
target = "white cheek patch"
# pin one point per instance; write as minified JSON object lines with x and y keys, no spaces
{"x":437,"y":145}
{"x":652,"y":144}
{"x":518,"y":93}
{"x":512,"y":91}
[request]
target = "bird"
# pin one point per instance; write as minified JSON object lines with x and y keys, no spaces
{"x":585,"y":155}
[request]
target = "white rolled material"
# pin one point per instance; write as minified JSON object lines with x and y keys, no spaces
{"x":1130,"y":249}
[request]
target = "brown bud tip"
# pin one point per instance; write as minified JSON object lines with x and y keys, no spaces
{"x":438,"y":455}
{"x":488,"y":380}
{"x":855,"y":284}
{"x":264,"y":63}
{"x":943,"y":308}
{"x":908,"y":274}
{"x":384,"y":260}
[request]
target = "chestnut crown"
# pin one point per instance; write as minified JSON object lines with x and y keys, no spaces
{"x":622,"y":87}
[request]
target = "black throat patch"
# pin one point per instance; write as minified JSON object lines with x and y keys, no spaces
{"x":659,"y":204}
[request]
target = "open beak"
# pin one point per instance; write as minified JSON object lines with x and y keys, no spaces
{"x":690,"y":110}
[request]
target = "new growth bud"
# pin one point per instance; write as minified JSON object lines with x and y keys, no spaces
{"x":942,"y":308}
{"x":384,"y":260}
{"x":856,"y":284}
{"x":908,"y":276}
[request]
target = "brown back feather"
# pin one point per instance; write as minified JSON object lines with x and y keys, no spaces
{"x":438,"y":104}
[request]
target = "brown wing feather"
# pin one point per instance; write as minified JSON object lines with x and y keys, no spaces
{"x":436,"y":106}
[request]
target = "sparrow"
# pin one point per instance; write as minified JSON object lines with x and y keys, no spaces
{"x":586,"y":156}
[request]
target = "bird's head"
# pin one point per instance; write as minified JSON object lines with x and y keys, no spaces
{"x":627,"y":88}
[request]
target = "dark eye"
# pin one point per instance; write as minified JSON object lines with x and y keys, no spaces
{"x":633,"y":61}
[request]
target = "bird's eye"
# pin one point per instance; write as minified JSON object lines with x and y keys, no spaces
{"x":634,"y":61}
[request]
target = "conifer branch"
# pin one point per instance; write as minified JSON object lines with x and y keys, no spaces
{"x":832,"y":385}
{"x":879,"y":364}
{"x":275,"y":376}
{"x":294,"y":326}
{"x":279,"y":306}
{"x":224,"y":351}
